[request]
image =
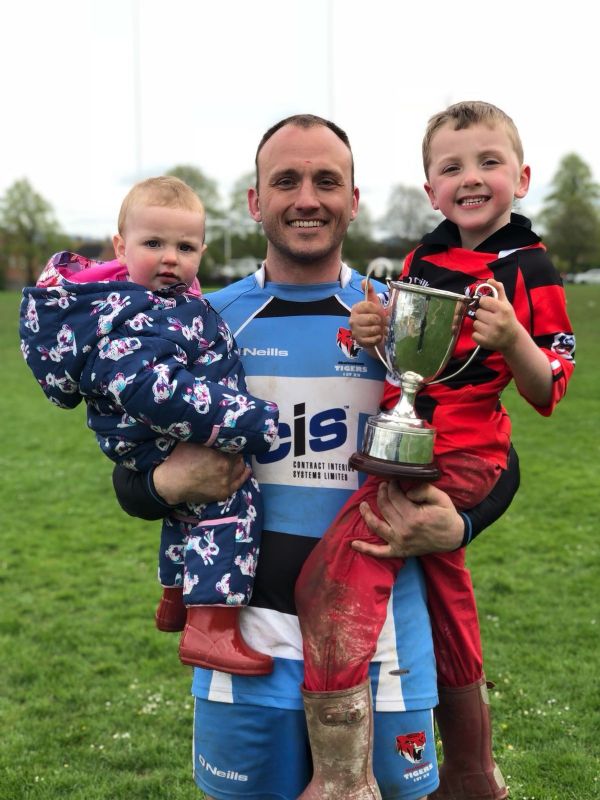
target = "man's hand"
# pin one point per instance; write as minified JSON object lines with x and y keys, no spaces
{"x":197,"y":474}
{"x":422,"y":520}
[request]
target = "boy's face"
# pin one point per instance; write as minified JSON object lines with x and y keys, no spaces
{"x":474,"y":175}
{"x":161,"y":246}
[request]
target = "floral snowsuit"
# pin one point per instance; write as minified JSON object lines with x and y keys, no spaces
{"x":155,"y":368}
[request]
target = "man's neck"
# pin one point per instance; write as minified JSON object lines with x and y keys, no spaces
{"x":282,"y":269}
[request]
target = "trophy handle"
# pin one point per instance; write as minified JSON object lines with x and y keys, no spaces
{"x":380,"y":355}
{"x":472,"y":306}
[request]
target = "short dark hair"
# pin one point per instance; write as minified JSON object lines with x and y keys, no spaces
{"x":305,"y":121}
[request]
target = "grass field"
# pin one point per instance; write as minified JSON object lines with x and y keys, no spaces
{"x":94,"y":704}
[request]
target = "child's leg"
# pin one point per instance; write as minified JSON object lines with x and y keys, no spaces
{"x":171,"y":613}
{"x":341,"y":599}
{"x":173,"y":537}
{"x":454,"y":621}
{"x":463,"y":714}
{"x":451,"y":600}
{"x":220,"y":563}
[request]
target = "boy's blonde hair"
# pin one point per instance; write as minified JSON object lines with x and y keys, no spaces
{"x":166,"y":191}
{"x":465,"y":114}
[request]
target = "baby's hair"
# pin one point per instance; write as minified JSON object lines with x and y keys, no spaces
{"x":166,"y":191}
{"x":465,"y":114}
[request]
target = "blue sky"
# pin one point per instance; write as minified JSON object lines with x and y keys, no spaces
{"x":98,"y":93}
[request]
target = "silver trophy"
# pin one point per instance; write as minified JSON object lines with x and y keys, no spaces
{"x":424,"y":325}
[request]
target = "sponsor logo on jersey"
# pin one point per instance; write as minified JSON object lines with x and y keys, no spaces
{"x":318,"y":429}
{"x":411,"y":746}
{"x":317,"y":433}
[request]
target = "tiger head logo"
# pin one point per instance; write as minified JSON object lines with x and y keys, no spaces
{"x":346,"y":343}
{"x":411,"y":746}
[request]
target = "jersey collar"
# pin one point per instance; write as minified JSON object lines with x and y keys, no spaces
{"x":344,"y":278}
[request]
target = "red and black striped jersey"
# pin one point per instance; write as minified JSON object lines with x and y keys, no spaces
{"x":466,"y":410}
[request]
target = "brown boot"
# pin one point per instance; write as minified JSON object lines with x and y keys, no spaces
{"x":212,"y":639}
{"x":171,"y":612}
{"x":340,"y":729}
{"x":468,"y":771}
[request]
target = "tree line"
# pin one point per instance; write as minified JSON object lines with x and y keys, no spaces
{"x":569,"y":222}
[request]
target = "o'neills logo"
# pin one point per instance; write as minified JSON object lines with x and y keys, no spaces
{"x":230,"y":774}
{"x":263,"y":351}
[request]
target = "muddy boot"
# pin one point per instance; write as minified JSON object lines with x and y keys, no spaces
{"x":171,"y":612}
{"x":340,"y":729}
{"x":468,"y":771}
{"x":212,"y":639}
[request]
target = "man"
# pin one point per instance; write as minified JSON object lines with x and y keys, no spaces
{"x":289,"y":320}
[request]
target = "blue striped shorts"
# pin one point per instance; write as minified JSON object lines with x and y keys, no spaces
{"x":263,"y":753}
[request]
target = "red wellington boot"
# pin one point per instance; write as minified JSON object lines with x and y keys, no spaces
{"x":171,"y":612}
{"x":212,"y":639}
{"x":468,"y":771}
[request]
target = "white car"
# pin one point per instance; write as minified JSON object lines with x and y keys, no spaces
{"x":589,"y":276}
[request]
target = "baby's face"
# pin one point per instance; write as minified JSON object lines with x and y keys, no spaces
{"x":161,"y":246}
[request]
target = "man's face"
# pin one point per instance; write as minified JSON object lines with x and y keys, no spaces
{"x":305,"y":198}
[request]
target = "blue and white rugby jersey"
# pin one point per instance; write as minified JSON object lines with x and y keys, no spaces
{"x":297,"y":350}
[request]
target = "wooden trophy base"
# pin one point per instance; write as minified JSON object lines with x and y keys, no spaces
{"x":393,"y":469}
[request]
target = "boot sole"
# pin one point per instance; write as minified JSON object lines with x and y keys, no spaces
{"x":190,"y":661}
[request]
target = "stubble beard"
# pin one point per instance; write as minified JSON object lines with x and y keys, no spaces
{"x":307,"y":257}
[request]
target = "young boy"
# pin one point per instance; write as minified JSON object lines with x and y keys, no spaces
{"x":473,"y":161}
{"x":157,"y":365}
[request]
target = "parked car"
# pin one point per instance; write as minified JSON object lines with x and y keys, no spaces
{"x":589,"y":276}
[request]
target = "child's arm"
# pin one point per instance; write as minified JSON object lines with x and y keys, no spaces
{"x":152,"y":385}
{"x":368,"y":322}
{"x":496,"y":327}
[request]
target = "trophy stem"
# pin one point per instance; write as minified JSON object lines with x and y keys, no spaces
{"x":405,"y":407}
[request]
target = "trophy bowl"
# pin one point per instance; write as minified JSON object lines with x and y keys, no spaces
{"x":424,"y":325}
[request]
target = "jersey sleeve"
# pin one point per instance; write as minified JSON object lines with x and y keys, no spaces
{"x":137,"y":494}
{"x":544,"y":305}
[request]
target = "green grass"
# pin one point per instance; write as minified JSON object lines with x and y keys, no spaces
{"x":94,"y":704}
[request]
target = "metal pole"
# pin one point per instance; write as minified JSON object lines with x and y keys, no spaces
{"x":137,"y":82}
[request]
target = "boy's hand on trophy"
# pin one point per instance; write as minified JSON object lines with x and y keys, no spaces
{"x":368,"y":321}
{"x":496,"y":326}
